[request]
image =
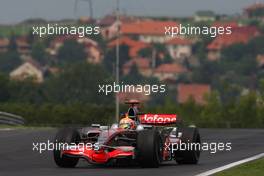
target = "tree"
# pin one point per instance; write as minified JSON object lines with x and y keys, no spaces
{"x":199,"y":48}
{"x":207,"y":73}
{"x":167,"y":59}
{"x":26,"y":91}
{"x":211,"y":114}
{"x":256,"y":46}
{"x":240,"y":60}
{"x":9,"y":61}
{"x":99,"y":39}
{"x":162,"y":55}
{"x":4,"y":88}
{"x":260,"y":103}
{"x":110,"y":58}
{"x":79,"y":83}
{"x":229,"y":92}
{"x":12,"y":43}
{"x":133,"y":77}
{"x":146,"y":52}
{"x":246,"y":111}
{"x":190,"y":111}
{"x":71,"y":52}
{"x":234,"y":52}
{"x":166,"y":101}
{"x":39,"y":53}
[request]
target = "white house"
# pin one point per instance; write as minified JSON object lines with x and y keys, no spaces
{"x":169,"y":71}
{"x":28,"y":70}
{"x":206,"y":15}
{"x":179,"y":48}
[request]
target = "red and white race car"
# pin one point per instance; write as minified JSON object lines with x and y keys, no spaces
{"x":155,"y":139}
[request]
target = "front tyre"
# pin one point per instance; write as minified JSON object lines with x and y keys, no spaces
{"x":189,"y":136}
{"x":66,"y":135}
{"x":149,"y":148}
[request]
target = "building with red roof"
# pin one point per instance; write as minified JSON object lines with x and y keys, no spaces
{"x":169,"y":71}
{"x":150,"y":31}
{"x":23,"y":45}
{"x":134,"y":46}
{"x":4,"y":43}
{"x":195,"y":91}
{"x":143,"y":66}
{"x":239,"y":35}
{"x":109,"y":25}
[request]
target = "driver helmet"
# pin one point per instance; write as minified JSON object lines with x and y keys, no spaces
{"x":127,"y":123}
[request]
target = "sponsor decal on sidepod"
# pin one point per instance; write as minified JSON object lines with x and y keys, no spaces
{"x":158,"y":118}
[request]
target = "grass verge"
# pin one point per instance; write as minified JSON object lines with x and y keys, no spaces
{"x":23,"y":127}
{"x":255,"y":168}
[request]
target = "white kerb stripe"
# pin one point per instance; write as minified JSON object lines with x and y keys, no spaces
{"x":228,"y":166}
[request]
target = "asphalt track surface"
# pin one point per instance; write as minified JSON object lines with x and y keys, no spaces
{"x":18,"y":159}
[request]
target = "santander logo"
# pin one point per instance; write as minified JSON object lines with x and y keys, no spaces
{"x":158,"y":118}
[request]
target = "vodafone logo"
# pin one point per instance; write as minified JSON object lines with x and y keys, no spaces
{"x":158,"y":118}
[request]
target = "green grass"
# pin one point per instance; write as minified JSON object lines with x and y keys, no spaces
{"x":254,"y":168}
{"x":7,"y":31}
{"x":24,"y":127}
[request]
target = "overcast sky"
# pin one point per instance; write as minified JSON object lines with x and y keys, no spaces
{"x":13,"y":11}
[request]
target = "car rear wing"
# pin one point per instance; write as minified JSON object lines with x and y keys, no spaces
{"x":158,"y":119}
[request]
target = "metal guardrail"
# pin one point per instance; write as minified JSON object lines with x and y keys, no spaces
{"x":11,"y":119}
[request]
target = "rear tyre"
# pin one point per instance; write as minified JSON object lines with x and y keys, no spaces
{"x":66,"y":135}
{"x":191,"y":156}
{"x":149,"y":148}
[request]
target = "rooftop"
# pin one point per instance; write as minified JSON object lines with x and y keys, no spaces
{"x":239,"y":35}
{"x":195,"y":91}
{"x":170,"y":68}
{"x":139,"y":62}
{"x":4,"y":42}
{"x":134,"y":46}
{"x":147,"y":27}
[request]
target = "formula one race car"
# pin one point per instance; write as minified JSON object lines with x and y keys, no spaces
{"x":142,"y":138}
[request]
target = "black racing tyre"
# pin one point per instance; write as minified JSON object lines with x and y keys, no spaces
{"x":149,"y":148}
{"x":191,"y":155}
{"x":66,"y":135}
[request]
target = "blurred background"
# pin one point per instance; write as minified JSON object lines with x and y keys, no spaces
{"x":210,"y":82}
